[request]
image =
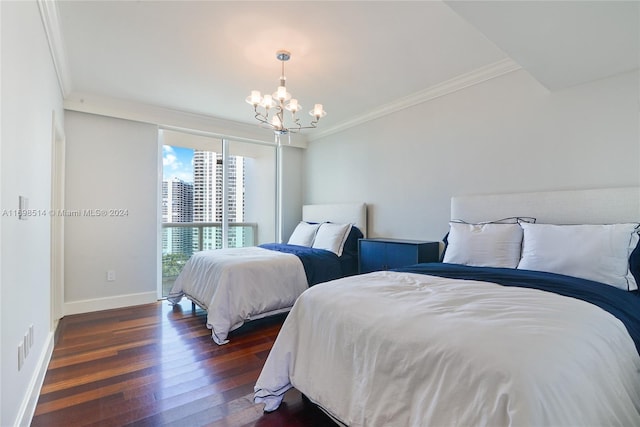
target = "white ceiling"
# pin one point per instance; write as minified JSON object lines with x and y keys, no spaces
{"x":354,"y":57}
{"x":561,"y":43}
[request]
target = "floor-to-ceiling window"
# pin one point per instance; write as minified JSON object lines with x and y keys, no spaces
{"x":216,"y":193}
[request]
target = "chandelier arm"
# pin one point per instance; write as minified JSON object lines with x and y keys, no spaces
{"x":312,"y":125}
{"x":262,"y":118}
{"x":298,"y":125}
{"x":295,"y":130}
{"x":280,"y":113}
{"x":296,"y":121}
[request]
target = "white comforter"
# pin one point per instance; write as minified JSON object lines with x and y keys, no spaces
{"x":239,"y":284}
{"x":402,"y":349}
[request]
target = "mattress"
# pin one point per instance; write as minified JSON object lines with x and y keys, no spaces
{"x":407,"y":349}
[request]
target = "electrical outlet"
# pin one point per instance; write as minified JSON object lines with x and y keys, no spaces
{"x":111,"y":275}
{"x":30,"y":335}
{"x":25,"y":344}
{"x":20,"y":356}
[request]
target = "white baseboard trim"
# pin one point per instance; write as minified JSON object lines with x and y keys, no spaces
{"x":108,"y":303}
{"x":28,"y":406}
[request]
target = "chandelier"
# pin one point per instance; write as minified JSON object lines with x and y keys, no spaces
{"x":269,"y":109}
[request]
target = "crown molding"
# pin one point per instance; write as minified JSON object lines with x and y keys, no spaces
{"x":455,"y":84}
{"x":51,"y":22}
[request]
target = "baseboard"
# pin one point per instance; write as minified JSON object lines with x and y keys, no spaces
{"x":108,"y":303}
{"x":28,"y":406}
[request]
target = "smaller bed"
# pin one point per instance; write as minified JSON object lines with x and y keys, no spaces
{"x":237,"y":285}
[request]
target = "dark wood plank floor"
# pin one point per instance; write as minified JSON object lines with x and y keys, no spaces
{"x":157,"y":365}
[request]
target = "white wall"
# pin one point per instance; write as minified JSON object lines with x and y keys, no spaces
{"x":292,"y":185}
{"x":111,"y":164}
{"x":508,"y":134}
{"x":259,"y":188}
{"x":30,"y":94}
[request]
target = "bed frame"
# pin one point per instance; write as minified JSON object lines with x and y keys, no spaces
{"x":593,"y":206}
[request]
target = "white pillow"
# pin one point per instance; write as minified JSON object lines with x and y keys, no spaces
{"x":594,"y":252}
{"x":303,"y":234}
{"x":484,"y":245}
{"x":331,"y":237}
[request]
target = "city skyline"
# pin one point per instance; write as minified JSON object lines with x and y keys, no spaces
{"x":202,"y":199}
{"x":194,"y":177}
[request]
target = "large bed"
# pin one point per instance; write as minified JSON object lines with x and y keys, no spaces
{"x":237,"y":285}
{"x":497,"y":334}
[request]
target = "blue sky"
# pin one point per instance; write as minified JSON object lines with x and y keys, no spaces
{"x":177,"y":162}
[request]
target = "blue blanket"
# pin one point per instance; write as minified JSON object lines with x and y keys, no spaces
{"x":319,"y":265}
{"x":622,"y":304}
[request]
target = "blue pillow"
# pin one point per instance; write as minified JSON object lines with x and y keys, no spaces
{"x":445,"y":240}
{"x":634,"y":263}
{"x":351,"y":244}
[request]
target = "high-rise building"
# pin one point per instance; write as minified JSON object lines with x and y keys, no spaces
{"x":177,"y":201}
{"x":177,"y":206}
{"x":207,"y":196}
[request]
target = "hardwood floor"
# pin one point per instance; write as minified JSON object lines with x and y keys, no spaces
{"x":156,"y":365}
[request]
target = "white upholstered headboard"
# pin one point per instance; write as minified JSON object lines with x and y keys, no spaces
{"x":594,"y":206}
{"x":345,"y":213}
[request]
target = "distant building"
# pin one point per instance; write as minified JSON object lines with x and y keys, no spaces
{"x":177,"y":201}
{"x":208,"y":197}
{"x":177,"y":206}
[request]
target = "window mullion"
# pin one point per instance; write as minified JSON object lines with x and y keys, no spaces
{"x":225,"y":193}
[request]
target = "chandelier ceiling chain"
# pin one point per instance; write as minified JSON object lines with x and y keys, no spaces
{"x":269,"y":109}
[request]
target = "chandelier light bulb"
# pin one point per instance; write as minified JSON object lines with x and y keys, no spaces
{"x":282,"y":94}
{"x":255,"y":98}
{"x":293,"y":106}
{"x":267,"y":102}
{"x":317,"y":111}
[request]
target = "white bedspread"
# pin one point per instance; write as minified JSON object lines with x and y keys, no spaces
{"x":239,"y":284}
{"x":400,"y":349}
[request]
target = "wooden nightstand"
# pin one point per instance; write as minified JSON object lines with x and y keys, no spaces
{"x":384,"y":254}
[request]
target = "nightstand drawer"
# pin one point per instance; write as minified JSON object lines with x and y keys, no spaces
{"x":384,"y":254}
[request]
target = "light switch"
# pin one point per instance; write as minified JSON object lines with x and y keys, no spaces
{"x":23,"y":205}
